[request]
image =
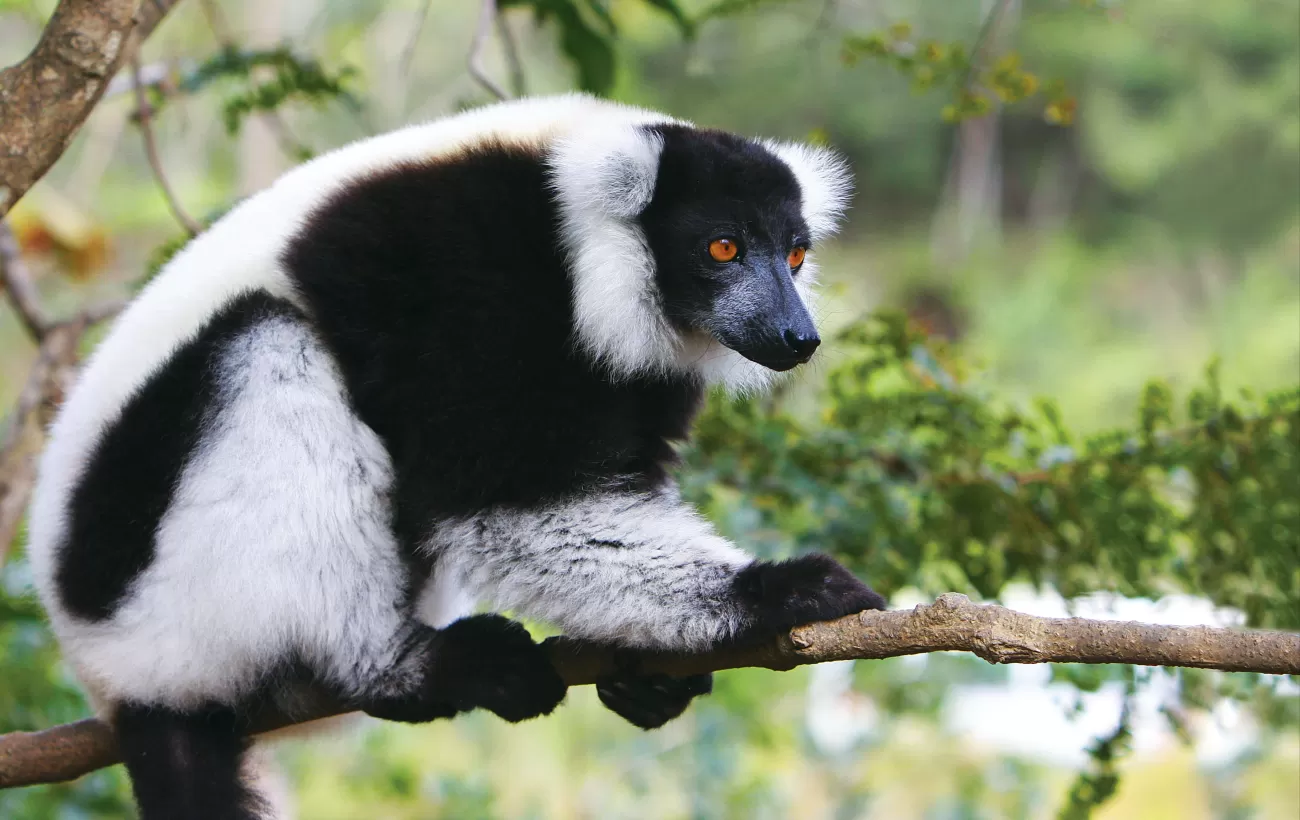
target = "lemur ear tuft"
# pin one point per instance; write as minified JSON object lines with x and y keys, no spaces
{"x":825,"y":183}
{"x":611,"y":170}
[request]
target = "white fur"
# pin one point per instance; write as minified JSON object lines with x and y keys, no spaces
{"x":638,"y":570}
{"x":245,"y":573}
{"x":620,"y":323}
{"x":825,"y":183}
{"x":603,"y":178}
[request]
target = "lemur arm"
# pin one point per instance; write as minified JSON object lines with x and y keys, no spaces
{"x":639,"y":570}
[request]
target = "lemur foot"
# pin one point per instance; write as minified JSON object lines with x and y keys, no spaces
{"x":650,"y":701}
{"x":491,"y":662}
{"x":785,"y":594}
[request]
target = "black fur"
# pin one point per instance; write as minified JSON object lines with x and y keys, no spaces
{"x":133,"y":470}
{"x":186,"y":764}
{"x":650,"y":701}
{"x":442,"y":291}
{"x":784,"y":594}
{"x":481,"y":662}
{"x":714,"y":185}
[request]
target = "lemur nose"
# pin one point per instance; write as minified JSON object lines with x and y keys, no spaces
{"x":803,"y":344}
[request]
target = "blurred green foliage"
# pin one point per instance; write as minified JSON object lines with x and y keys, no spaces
{"x":1098,"y":783}
{"x":38,"y":692}
{"x":920,"y":480}
{"x":292,"y":77}
{"x":588,"y":34}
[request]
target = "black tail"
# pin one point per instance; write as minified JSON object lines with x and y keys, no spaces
{"x":186,"y":764}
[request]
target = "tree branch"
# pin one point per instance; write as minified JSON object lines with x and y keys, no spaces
{"x":996,"y":634}
{"x":56,"y":357}
{"x":487,"y":14}
{"x":18,"y":283}
{"x":45,"y":98}
{"x":408,"y":53}
{"x":518,"y":84}
{"x":56,"y":362}
{"x":144,"y":118}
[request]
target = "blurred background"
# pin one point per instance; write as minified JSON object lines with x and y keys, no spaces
{"x":1097,"y":203}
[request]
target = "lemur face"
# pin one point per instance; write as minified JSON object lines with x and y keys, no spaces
{"x":728,"y":239}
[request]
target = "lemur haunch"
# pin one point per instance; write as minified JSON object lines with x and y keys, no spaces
{"x":442,"y":365}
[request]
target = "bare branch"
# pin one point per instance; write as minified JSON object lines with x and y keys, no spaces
{"x":996,"y":634}
{"x":43,"y":391}
{"x":45,"y":98}
{"x":408,"y":53}
{"x":518,"y":86}
{"x":18,"y":283}
{"x":157,"y":75}
{"x":55,"y":359}
{"x":217,"y":22}
{"x":145,"y":120}
{"x":487,"y":14}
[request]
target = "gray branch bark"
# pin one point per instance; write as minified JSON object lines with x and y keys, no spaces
{"x":996,"y":634}
{"x":45,"y":98}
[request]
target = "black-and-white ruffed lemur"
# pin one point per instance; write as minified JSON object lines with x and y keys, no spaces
{"x":435,"y":367}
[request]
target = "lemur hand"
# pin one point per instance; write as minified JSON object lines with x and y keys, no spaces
{"x":783,"y":594}
{"x":646,"y":700}
{"x":491,"y":662}
{"x":650,"y":701}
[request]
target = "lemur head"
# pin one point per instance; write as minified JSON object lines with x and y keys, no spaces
{"x":689,"y":248}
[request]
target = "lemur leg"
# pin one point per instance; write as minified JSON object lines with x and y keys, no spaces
{"x":640,"y":570}
{"x":276,"y":551}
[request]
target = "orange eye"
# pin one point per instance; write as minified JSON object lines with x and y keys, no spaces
{"x":796,"y":257}
{"x":723,"y":250}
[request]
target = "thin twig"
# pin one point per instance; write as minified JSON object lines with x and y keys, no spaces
{"x":152,"y":75}
{"x":487,"y":13}
{"x":57,"y":352}
{"x":43,"y":389}
{"x":216,"y":21}
{"x":981,"y":41}
{"x":100,"y":311}
{"x":290,"y":145}
{"x":20,"y":286}
{"x":408,"y":53}
{"x":151,"y":151}
{"x":517,"y":80}
{"x":994,"y":633}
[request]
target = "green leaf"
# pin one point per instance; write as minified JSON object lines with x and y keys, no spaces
{"x":601,"y":13}
{"x":591,"y":52}
{"x":673,"y":10}
{"x":728,"y":8}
